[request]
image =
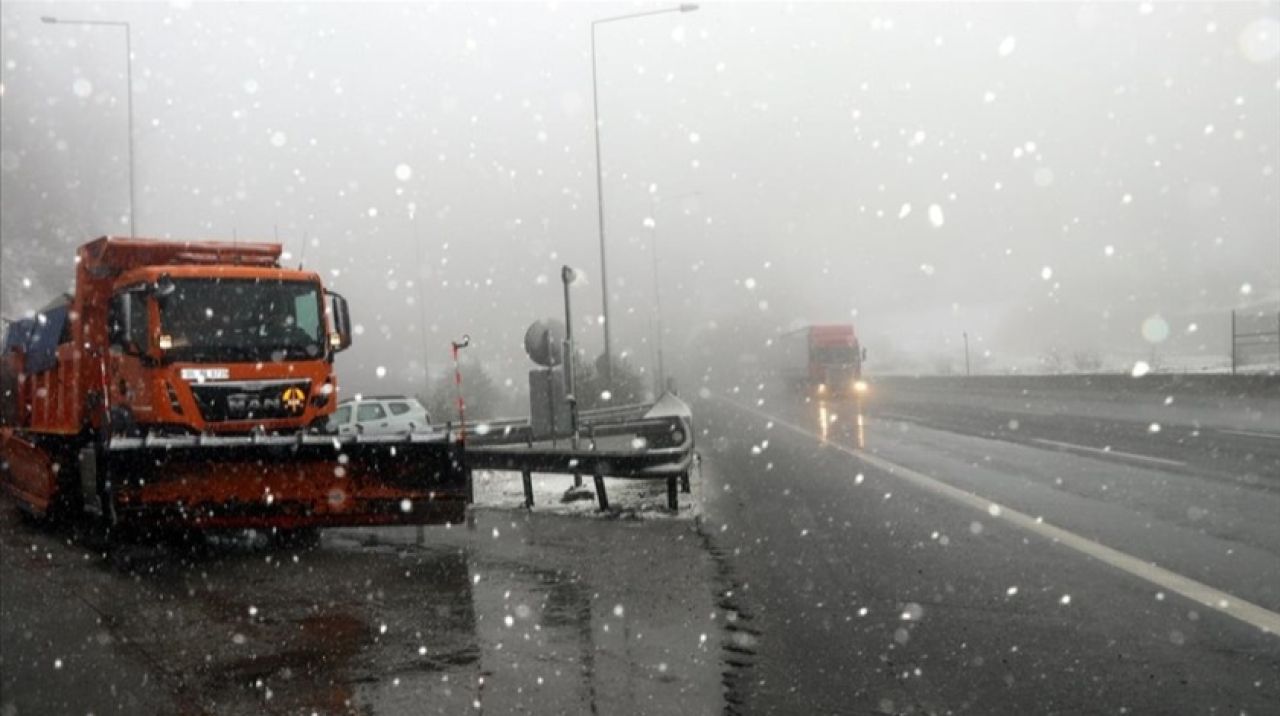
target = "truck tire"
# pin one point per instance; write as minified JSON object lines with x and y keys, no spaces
{"x":94,"y":502}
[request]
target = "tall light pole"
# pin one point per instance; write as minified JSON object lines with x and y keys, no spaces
{"x":128,"y":57}
{"x":595,"y":105}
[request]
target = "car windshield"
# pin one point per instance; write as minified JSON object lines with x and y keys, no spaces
{"x":241,"y":320}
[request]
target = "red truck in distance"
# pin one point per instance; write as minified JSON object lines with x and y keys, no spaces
{"x":822,"y":360}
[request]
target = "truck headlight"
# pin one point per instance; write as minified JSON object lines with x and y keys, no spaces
{"x":859,"y":386}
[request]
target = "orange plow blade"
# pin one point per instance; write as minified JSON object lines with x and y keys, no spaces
{"x":286,"y":486}
{"x":28,"y":473}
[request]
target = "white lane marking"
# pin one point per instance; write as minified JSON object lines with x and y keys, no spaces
{"x":1247,"y":612}
{"x":1252,"y":434}
{"x":1104,"y":451}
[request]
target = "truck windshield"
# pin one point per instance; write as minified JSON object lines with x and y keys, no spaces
{"x":241,"y":319}
{"x":834,"y":355}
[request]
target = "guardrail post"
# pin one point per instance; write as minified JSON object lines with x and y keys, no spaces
{"x":527,"y":477}
{"x":601,"y":497}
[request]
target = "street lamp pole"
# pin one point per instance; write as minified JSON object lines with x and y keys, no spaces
{"x":595,"y":105}
{"x":128,"y":56}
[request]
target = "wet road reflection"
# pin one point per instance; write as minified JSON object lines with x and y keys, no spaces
{"x":517,"y":613}
{"x":840,"y":420}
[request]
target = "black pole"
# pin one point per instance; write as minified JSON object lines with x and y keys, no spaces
{"x":1233,"y":342}
{"x":551,"y":385}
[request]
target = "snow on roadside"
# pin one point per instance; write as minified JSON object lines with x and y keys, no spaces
{"x":554,"y":494}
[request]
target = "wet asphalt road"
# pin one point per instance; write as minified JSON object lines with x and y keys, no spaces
{"x":517,"y":613}
{"x":870,"y":594}
{"x":836,"y":585}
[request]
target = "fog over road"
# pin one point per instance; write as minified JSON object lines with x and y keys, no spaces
{"x":877,"y":586}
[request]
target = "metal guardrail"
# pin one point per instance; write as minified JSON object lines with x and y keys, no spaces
{"x":661,"y":446}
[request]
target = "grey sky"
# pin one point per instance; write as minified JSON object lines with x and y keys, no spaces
{"x":777,"y":148}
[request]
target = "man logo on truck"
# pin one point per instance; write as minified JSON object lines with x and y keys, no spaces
{"x":294,"y":400}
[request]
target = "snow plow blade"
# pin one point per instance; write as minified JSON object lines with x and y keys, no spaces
{"x":283,"y":483}
{"x":30,"y":474}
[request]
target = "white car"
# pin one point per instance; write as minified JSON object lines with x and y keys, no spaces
{"x":380,"y":415}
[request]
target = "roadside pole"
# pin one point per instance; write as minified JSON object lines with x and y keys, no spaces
{"x":568,"y":276}
{"x":457,"y":381}
{"x":1233,"y":342}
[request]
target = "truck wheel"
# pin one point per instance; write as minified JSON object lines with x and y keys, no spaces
{"x":93,"y":506}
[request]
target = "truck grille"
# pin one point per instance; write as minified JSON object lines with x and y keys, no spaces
{"x":249,"y":400}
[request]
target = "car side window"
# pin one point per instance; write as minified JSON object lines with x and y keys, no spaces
{"x":398,"y":408}
{"x":342,"y":415}
{"x":370,"y":411}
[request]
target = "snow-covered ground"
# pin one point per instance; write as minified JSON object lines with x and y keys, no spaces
{"x":628,"y":497}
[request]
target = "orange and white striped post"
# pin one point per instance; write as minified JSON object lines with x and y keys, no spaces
{"x":457,"y":381}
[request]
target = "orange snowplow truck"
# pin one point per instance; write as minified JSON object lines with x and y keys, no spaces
{"x":190,"y":384}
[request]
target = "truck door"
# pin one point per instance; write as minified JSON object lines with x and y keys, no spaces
{"x":129,"y":336}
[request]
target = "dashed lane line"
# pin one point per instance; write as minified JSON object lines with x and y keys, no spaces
{"x":1252,"y":434}
{"x":1245,"y":611}
{"x":1109,"y":451}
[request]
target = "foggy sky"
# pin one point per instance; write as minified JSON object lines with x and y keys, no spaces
{"x":922,"y":170}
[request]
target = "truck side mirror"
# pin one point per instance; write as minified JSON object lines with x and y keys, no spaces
{"x":163,"y":288}
{"x":340,"y":339}
{"x":118,"y":322}
{"x":864,"y":354}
